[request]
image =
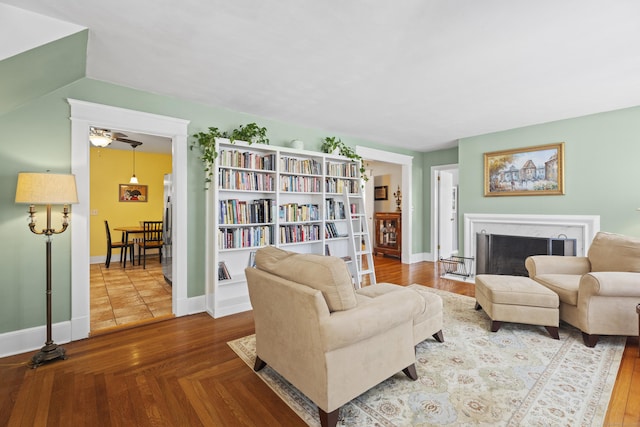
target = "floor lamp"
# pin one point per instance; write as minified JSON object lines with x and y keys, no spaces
{"x":47,"y":189}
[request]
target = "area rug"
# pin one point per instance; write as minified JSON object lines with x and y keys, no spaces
{"x":518,"y":376}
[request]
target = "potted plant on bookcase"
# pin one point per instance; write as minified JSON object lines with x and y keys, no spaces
{"x":206,"y":143}
{"x":333,"y":145}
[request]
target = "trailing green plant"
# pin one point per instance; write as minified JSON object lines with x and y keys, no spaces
{"x":206,"y":143}
{"x":331,"y":143}
{"x":250,"y":133}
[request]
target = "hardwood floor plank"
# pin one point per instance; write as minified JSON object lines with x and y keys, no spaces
{"x":181,"y":372}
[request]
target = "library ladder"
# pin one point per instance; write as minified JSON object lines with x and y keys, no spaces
{"x":360,"y":239}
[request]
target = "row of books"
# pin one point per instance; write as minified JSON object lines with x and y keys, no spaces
{"x":234,"y":211}
{"x":247,"y":160}
{"x":240,"y":180}
{"x":337,"y":185}
{"x":292,"y":212}
{"x":244,"y":237}
{"x":305,"y":166}
{"x":334,"y":209}
{"x":300,"y":184}
{"x":223,"y":271}
{"x":299,"y":233}
{"x":350,"y":170}
{"x":331,"y":231}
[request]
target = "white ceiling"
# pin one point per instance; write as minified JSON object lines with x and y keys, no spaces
{"x":418,"y":74}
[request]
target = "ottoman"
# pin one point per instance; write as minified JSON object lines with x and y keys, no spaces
{"x":517,"y":299}
{"x":426,"y":323}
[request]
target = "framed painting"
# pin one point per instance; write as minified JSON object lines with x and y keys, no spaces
{"x":381,"y":193}
{"x":530,"y":171}
{"x":132,"y":193}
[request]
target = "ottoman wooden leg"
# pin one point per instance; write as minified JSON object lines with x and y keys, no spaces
{"x":553,"y":331}
{"x":478,"y":306}
{"x":495,"y":325}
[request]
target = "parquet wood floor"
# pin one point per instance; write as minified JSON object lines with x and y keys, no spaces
{"x":181,"y":372}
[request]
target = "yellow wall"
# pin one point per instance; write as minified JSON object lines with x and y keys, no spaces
{"x":109,"y":168}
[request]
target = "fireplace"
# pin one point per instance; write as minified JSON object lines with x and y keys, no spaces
{"x":504,"y":254}
{"x":581,"y":228}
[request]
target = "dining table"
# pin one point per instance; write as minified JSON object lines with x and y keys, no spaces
{"x":127,"y":230}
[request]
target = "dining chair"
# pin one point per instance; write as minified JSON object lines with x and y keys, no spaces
{"x":151,"y":239}
{"x":116,"y":245}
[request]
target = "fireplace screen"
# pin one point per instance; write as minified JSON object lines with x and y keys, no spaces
{"x":501,"y":254}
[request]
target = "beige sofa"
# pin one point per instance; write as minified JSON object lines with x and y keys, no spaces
{"x":598,"y":293}
{"x":330,"y":342}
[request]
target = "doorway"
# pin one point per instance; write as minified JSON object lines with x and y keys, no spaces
{"x":444,"y":211}
{"x":126,"y":294}
{"x":83,"y":116}
{"x":405,"y":163}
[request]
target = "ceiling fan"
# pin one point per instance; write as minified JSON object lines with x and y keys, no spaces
{"x":103,"y":137}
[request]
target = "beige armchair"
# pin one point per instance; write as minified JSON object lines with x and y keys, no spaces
{"x":598,"y":293}
{"x":315,"y":331}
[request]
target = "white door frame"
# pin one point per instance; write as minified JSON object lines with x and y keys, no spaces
{"x":83,"y":115}
{"x":407,"y":205}
{"x":435,"y":206}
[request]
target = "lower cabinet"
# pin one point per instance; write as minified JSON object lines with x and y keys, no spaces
{"x":388,"y":231}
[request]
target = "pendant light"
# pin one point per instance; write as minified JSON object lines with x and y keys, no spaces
{"x":134,"y":144}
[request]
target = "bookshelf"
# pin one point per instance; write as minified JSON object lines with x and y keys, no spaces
{"x":269,"y":195}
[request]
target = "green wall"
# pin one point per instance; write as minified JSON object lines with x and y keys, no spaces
{"x":433,"y":158}
{"x":37,"y":135}
{"x":601,"y":170}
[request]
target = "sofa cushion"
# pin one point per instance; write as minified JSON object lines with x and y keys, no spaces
{"x":327,"y":274}
{"x":565,"y":285}
{"x":614,"y":252}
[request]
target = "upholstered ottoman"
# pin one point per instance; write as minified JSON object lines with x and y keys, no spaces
{"x":517,"y":299}
{"x":426,"y":323}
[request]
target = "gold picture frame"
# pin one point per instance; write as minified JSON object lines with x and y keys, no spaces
{"x":381,"y":193}
{"x":530,"y":171}
{"x":132,"y":193}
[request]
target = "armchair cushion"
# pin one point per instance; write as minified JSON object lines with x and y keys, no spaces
{"x":327,"y":274}
{"x":614,"y":252}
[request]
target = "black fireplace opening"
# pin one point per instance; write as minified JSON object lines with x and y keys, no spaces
{"x":504,"y":254}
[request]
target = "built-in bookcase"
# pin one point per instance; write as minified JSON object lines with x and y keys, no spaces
{"x":267,"y":195}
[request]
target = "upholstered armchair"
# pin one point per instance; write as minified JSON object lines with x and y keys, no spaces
{"x":598,"y":293}
{"x":313,"y":329}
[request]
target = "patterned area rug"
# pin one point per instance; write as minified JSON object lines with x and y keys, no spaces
{"x":518,"y":376}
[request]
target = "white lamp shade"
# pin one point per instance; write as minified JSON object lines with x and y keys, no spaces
{"x":46,"y":188}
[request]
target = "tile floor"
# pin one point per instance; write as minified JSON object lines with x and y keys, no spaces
{"x":123,"y":297}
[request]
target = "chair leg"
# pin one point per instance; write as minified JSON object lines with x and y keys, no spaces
{"x":108,"y":260}
{"x":411,"y":372}
{"x":259,"y":364}
{"x":438,"y":336}
{"x":328,"y":419}
{"x":590,"y":340}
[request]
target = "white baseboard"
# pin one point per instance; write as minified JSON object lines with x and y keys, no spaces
{"x":32,"y":339}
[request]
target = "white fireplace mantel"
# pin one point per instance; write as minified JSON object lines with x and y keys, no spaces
{"x":583,"y":228}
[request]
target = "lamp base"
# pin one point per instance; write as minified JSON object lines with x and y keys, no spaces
{"x":48,"y":353}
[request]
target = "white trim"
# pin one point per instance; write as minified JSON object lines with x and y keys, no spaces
{"x":407,"y":185}
{"x":31,"y":339}
{"x":83,"y":115}
{"x":435,"y":206}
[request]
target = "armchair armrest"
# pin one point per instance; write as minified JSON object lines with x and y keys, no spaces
{"x":610,"y":284}
{"x":555,"y":264}
{"x":384,"y":312}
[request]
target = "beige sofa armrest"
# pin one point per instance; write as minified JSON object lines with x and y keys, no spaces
{"x":555,"y":264}
{"x":344,"y":328}
{"x":610,"y":284}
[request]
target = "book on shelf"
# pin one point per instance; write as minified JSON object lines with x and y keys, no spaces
{"x":223,"y":271}
{"x":252,"y":259}
{"x":327,"y":252}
